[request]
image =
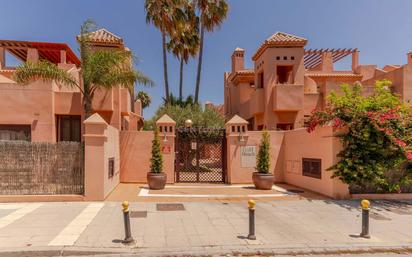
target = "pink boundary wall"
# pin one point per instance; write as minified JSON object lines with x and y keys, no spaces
{"x":101,"y":143}
{"x":287,"y":150}
{"x":135,"y":151}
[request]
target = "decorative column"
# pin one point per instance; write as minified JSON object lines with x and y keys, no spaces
{"x":94,"y":163}
{"x":32,"y":55}
{"x":166,"y":128}
{"x":236,"y":136}
{"x":2,"y":57}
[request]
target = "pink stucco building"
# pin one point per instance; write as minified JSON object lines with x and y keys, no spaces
{"x":48,"y":111}
{"x":288,"y":81}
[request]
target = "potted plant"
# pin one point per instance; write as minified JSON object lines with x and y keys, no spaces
{"x":156,"y":178}
{"x":262,"y":178}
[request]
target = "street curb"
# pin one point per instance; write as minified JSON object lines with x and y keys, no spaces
{"x":206,"y":251}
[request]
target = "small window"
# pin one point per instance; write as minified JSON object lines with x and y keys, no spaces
{"x":15,"y":132}
{"x":278,"y":58}
{"x":111,"y":167}
{"x":68,"y":128}
{"x":284,"y":126}
{"x":292,"y":58}
{"x":261,"y":80}
{"x":285,"y":57}
{"x":312,"y":167}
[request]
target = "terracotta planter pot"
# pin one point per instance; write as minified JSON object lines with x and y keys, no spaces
{"x":263,"y":181}
{"x":156,"y":181}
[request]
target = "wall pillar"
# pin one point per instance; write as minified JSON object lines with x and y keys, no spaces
{"x":94,"y":164}
{"x":2,"y":57}
{"x":327,"y":62}
{"x":62,"y":56}
{"x":166,"y":128}
{"x":32,"y":55}
{"x":355,"y":60}
{"x":236,"y":136}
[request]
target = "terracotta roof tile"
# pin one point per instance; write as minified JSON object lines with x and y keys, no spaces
{"x":280,"y":39}
{"x":104,"y":36}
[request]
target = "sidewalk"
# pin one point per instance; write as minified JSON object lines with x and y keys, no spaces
{"x":204,"y":227}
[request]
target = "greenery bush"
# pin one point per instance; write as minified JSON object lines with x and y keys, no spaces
{"x":263,"y":157}
{"x":376,"y":133}
{"x":156,"y":162}
{"x":201,"y":117}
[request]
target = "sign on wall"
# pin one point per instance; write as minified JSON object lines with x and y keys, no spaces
{"x":248,"y":156}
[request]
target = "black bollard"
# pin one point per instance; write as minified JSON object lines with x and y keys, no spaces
{"x":251,"y":235}
{"x":365,"y":219}
{"x":127,"y":231}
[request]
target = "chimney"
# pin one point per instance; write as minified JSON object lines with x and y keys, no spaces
{"x":238,"y":61}
{"x":409,"y":58}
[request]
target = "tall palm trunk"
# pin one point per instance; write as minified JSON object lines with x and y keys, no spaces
{"x":199,"y":65}
{"x":165,"y":67}
{"x":132,"y":99}
{"x":88,"y":111}
{"x":181,"y":80}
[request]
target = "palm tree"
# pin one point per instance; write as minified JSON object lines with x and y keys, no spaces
{"x":163,"y":14}
{"x":144,"y":98}
{"x":100,"y":70}
{"x":184,"y":42}
{"x":211,"y":13}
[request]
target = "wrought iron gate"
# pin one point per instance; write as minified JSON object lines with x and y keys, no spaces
{"x":200,"y":155}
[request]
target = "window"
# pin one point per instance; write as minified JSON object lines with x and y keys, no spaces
{"x":15,"y":132}
{"x":312,"y":167}
{"x":284,"y":74}
{"x":284,"y":126}
{"x":285,"y":58}
{"x":278,"y":58}
{"x":292,"y":58}
{"x":68,"y":128}
{"x":260,"y":127}
{"x":111,"y":167}
{"x":261,"y":80}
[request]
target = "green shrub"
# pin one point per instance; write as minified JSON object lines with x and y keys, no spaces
{"x":156,"y":162}
{"x":263,"y":157}
{"x":376,"y":137}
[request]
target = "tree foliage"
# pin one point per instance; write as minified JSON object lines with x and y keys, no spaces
{"x":156,"y":161}
{"x":144,"y":98}
{"x":376,"y":133}
{"x":201,"y":117}
{"x":263,"y":157}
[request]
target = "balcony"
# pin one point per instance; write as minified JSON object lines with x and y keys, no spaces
{"x":288,"y":97}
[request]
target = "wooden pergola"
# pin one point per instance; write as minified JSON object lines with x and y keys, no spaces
{"x":313,"y":57}
{"x":47,"y":51}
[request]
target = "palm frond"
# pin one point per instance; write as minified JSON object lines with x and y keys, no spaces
{"x":113,"y":68}
{"x":32,"y":71}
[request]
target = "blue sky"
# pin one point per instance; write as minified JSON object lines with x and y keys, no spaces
{"x":380,"y":29}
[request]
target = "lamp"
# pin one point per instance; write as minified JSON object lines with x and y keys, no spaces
{"x":241,"y":137}
{"x":188,"y":123}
